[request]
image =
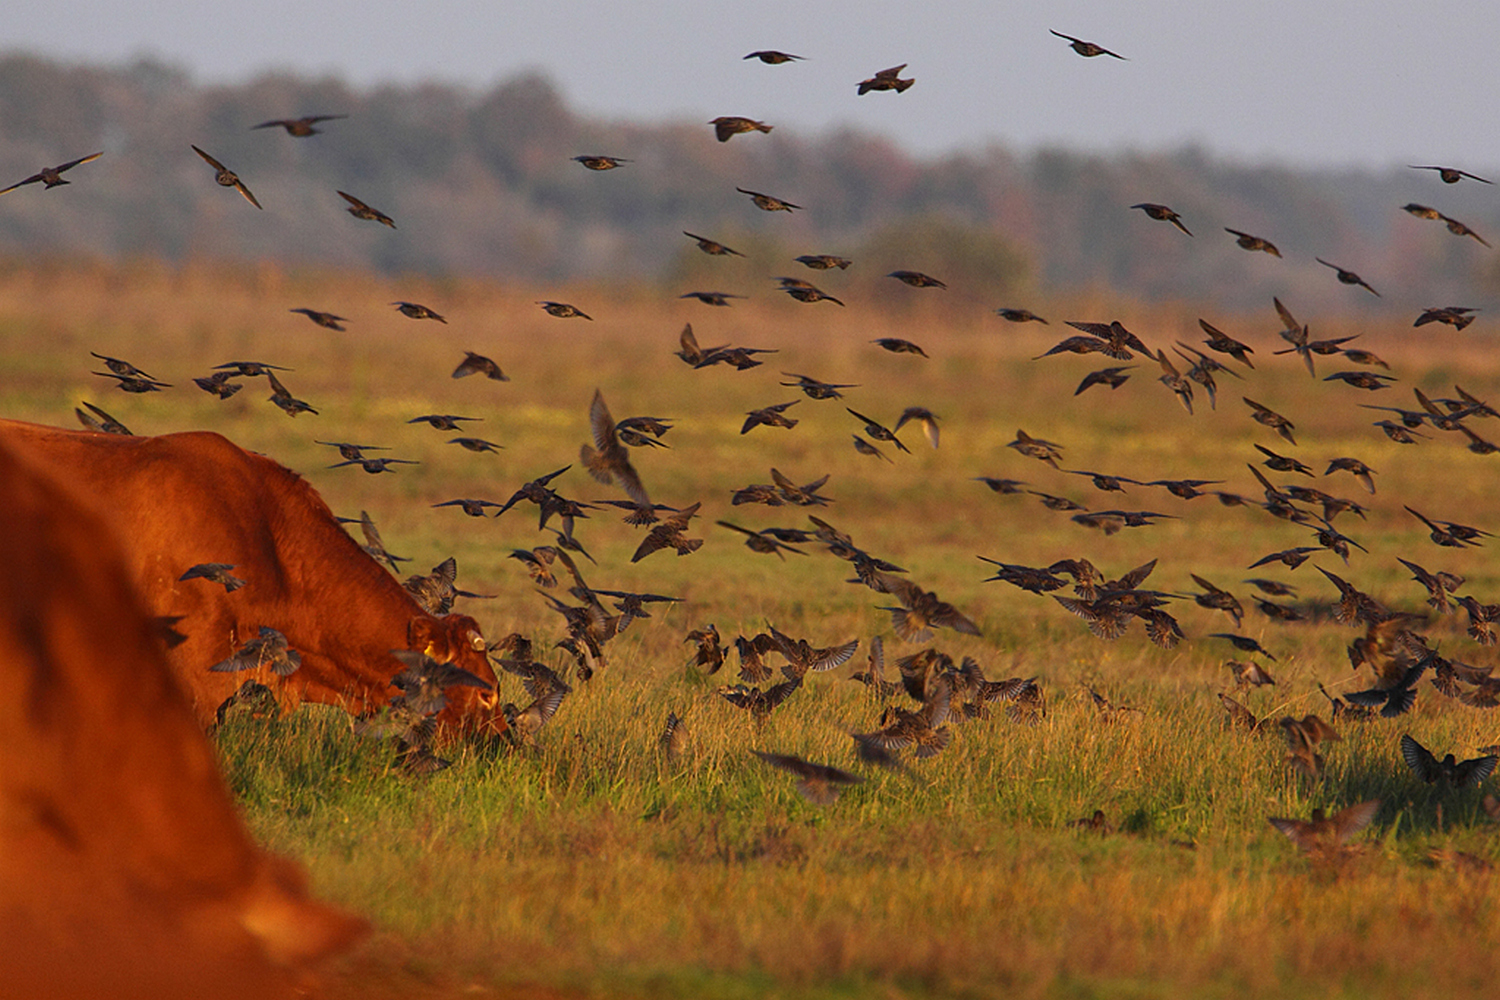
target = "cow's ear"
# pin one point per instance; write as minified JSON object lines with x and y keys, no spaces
{"x":426,"y":636}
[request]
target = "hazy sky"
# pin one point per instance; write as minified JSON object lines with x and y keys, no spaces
{"x":1330,"y":82}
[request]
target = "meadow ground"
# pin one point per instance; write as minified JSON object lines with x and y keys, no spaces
{"x":590,"y":866}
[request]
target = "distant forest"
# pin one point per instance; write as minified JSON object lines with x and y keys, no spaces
{"x":483,"y":183}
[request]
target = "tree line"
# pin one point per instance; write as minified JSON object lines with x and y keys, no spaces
{"x":482,"y":182}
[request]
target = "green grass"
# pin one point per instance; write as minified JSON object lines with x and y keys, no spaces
{"x":589,"y":866}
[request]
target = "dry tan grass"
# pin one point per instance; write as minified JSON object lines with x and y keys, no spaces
{"x":592,"y":869}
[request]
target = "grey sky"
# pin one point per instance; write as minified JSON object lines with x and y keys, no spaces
{"x":1329,"y":82}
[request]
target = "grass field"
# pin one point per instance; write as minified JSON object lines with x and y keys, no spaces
{"x":591,"y":866}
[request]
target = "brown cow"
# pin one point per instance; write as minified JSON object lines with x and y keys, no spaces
{"x":182,"y":499}
{"x":125,"y":871}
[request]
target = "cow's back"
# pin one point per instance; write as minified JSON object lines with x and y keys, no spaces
{"x":125,"y":870}
{"x":177,"y":500}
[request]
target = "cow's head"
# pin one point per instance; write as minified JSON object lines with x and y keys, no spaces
{"x":456,"y":639}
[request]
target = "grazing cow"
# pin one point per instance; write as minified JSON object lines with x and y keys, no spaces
{"x":178,"y":500}
{"x":125,"y":870}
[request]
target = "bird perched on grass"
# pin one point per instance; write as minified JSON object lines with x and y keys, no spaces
{"x":819,"y":784}
{"x":727,"y":127}
{"x":1161,"y":213}
{"x":215,"y":573}
{"x":1086,"y":49}
{"x":299,"y":128}
{"x":226,"y":177}
{"x":51,"y":177}
{"x":886,"y":79}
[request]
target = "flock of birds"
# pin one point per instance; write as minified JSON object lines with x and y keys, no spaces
{"x":1393,"y":645}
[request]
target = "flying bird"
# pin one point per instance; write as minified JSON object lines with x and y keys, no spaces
{"x":767,"y":203}
{"x":563,"y":310}
{"x":601,"y":162}
{"x":98,"y":420}
{"x":728,"y":126}
{"x":1347,"y":277}
{"x":820,"y":784}
{"x":323,"y":319}
{"x":360,"y":210}
{"x":916,"y":279}
{"x":478,"y":364}
{"x":1458,"y":774}
{"x":771,"y":57}
{"x":215,"y":573}
{"x":1112,"y":377}
{"x":1161,"y":213}
{"x":1020,"y":316}
{"x":770,"y":416}
{"x":1321,"y":835}
{"x":608,"y":461}
{"x":711,"y":298}
{"x":1247,"y":242}
{"x":887,"y":79}
{"x":51,"y":177}
{"x":1452,"y":175}
{"x":226,"y":177}
{"x":898,"y":346}
{"x":268,"y":649}
{"x":300,"y":128}
{"x":711,"y":247}
{"x":823,"y":261}
{"x":1086,"y":49}
{"x":416,"y":310}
